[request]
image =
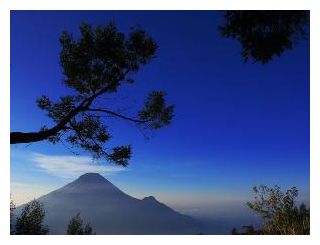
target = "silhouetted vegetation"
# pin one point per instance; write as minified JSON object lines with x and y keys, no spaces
{"x":279,"y":212}
{"x":30,"y":222}
{"x":96,"y":64}
{"x":265,"y":34}
{"x":12,"y":208}
{"x":248,"y":230}
{"x":76,"y":227}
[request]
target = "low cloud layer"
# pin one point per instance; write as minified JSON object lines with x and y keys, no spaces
{"x":68,"y":166}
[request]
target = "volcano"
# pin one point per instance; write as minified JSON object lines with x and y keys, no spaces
{"x":111,"y":211}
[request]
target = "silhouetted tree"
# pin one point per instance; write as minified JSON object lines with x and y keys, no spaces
{"x":248,"y":230}
{"x":265,"y":34}
{"x":12,"y":208}
{"x":76,"y":227}
{"x":96,"y":64}
{"x":30,"y":222}
{"x":279,"y":212}
{"x":234,"y":231}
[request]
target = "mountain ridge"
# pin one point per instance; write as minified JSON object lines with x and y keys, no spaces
{"x":111,"y":211}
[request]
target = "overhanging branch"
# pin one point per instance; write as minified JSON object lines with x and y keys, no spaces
{"x":118,"y":115}
{"x":21,"y":137}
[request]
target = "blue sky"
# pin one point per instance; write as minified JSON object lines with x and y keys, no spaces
{"x":236,"y":124}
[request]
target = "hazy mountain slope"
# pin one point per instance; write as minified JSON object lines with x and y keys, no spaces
{"x":111,"y":211}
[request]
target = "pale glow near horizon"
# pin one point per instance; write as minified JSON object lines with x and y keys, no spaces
{"x":24,"y":192}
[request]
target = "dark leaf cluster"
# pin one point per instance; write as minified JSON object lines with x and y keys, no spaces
{"x":30,"y":222}
{"x":77,"y":227}
{"x":59,"y":110}
{"x":265,"y":34}
{"x":103,"y":56}
{"x":155,"y":110}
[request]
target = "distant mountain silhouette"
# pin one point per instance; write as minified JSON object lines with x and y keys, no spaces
{"x":111,"y":211}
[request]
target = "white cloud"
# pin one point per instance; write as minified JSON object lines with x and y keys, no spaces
{"x":68,"y":166}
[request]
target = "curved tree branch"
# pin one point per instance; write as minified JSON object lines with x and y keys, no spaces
{"x":119,"y":115}
{"x":19,"y":137}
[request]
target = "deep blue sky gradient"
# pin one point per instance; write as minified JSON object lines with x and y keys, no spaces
{"x":236,"y":124}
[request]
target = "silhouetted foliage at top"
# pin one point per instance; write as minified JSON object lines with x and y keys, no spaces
{"x":265,"y":34}
{"x":76,"y":227}
{"x":96,"y":64}
{"x":279,"y":212}
{"x":30,"y":222}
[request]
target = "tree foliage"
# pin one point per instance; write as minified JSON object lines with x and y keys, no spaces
{"x":30,"y":222}
{"x":95,"y":65}
{"x":265,"y":34}
{"x":248,"y":230}
{"x":279,"y":212}
{"x":12,"y":208}
{"x":76,"y":227}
